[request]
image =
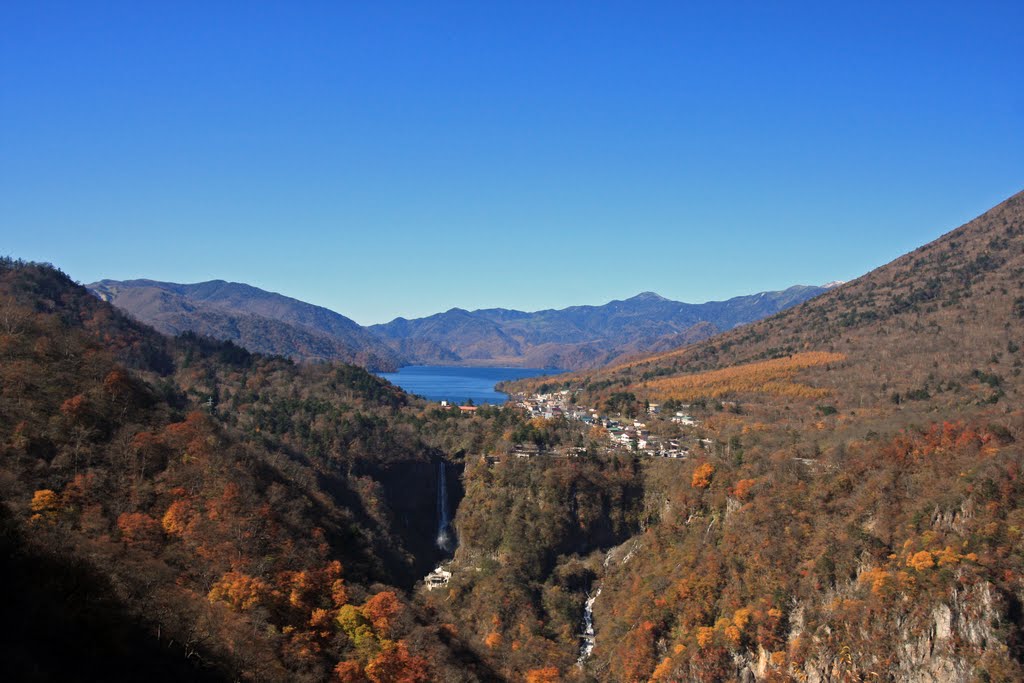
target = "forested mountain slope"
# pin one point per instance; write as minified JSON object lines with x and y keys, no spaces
{"x":219,"y":514}
{"x":255,"y":319}
{"x":852,"y":508}
{"x":936,"y":321}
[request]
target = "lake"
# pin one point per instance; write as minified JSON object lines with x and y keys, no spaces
{"x":454,"y":384}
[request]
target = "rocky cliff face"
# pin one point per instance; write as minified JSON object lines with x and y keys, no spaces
{"x":942,"y":644}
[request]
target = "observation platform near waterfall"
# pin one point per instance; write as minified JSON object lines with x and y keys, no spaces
{"x":438,"y":578}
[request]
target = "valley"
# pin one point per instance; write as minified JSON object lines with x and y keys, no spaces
{"x":511,"y":342}
{"x":830,"y":493}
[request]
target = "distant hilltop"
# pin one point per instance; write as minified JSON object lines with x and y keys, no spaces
{"x":579,"y":336}
{"x":256,"y":319}
{"x":571,"y":338}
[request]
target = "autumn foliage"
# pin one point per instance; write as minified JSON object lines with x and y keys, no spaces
{"x":255,"y":518}
{"x":395,"y":665}
{"x":776,"y":377}
{"x":545,"y":675}
{"x":139,"y":529}
{"x":380,"y":611}
{"x":701,"y":478}
{"x":44,"y":506}
{"x":220,"y":535}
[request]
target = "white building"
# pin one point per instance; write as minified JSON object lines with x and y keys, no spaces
{"x":437,"y":578}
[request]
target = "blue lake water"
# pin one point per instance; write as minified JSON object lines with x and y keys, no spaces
{"x":444,"y":383}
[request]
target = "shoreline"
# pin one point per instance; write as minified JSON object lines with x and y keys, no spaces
{"x":459,"y":383}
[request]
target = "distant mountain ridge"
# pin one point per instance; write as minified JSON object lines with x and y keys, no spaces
{"x":259,"y":320}
{"x":938,"y":324}
{"x":571,"y":338}
{"x":579,"y":336}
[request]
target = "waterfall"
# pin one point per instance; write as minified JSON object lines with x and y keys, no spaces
{"x":588,"y":637}
{"x":444,"y":534}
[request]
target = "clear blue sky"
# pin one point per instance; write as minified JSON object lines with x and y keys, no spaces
{"x":388,"y":159}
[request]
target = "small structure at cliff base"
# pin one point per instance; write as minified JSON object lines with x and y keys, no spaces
{"x":437,"y":578}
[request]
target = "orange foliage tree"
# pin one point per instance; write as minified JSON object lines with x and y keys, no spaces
{"x":702,"y":475}
{"x":139,"y":530}
{"x":177,"y":518}
{"x":921,"y":561}
{"x":240,"y":591}
{"x":548,"y":674}
{"x":350,"y":672}
{"x":380,"y":610}
{"x":742,"y":488}
{"x":44,"y":505}
{"x":396,"y":665}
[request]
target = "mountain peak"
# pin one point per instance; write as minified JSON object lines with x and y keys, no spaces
{"x":647,"y":296}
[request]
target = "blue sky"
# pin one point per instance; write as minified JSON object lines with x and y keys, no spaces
{"x":388,"y":159}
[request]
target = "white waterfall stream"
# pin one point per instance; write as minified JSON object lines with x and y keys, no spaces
{"x":445,"y":539}
{"x":588,"y":637}
{"x":444,"y":535}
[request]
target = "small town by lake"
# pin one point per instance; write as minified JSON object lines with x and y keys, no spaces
{"x":458,"y":384}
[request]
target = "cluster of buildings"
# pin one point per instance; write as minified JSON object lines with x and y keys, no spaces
{"x":464,"y":409}
{"x":621,"y":433}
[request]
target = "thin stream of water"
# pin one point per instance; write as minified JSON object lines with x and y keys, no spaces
{"x":444,"y":536}
{"x":588,"y":637}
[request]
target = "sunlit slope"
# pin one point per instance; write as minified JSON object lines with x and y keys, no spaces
{"x":850,"y":506}
{"x":942,"y":323}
